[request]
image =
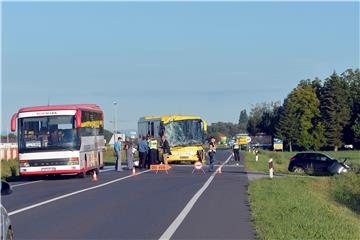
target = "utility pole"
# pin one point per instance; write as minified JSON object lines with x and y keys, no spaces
{"x":114,"y":103}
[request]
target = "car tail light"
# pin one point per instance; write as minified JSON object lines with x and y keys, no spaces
{"x":292,"y":158}
{"x":24,"y":163}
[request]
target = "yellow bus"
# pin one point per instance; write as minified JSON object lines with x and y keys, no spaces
{"x":185,"y":135}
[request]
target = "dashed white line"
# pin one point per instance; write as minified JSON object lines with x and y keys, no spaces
{"x":71,"y":194}
{"x":180,"y":218}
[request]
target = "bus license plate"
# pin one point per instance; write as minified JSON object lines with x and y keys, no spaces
{"x":184,"y":157}
{"x":48,"y":169}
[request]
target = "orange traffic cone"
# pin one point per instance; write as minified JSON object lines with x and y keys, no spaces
{"x":94,"y":177}
{"x":133,"y":173}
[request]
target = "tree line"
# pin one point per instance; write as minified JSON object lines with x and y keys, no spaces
{"x":316,"y":114}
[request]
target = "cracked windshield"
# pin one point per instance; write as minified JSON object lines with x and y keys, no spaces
{"x":187,"y":132}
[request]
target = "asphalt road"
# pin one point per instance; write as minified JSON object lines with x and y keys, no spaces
{"x":178,"y":205}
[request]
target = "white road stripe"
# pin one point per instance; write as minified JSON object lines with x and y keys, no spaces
{"x":180,"y":218}
{"x":106,"y":169}
{"x":27,"y":183}
{"x":71,"y":194}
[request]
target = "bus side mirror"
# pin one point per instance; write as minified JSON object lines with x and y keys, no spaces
{"x":13,"y":122}
{"x":204,"y":125}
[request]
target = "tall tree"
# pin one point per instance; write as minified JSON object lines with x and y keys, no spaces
{"x":243,"y":120}
{"x":352,"y":78}
{"x":335,"y":109}
{"x":356,"y":130}
{"x":298,"y":124}
{"x":255,"y":116}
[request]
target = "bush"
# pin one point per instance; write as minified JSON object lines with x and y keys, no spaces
{"x":345,"y":189}
{"x":9,"y":168}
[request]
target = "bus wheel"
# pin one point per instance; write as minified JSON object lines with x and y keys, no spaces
{"x":82,"y":175}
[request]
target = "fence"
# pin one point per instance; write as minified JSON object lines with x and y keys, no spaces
{"x":8,"y":151}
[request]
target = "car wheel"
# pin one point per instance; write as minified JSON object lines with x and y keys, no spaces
{"x":10,"y":234}
{"x":298,"y":170}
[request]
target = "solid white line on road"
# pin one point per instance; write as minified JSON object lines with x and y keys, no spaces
{"x":27,"y":183}
{"x":71,"y":194}
{"x":180,"y":218}
{"x":106,"y":169}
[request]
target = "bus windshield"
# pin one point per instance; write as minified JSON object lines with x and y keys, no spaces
{"x":184,"y":133}
{"x":48,"y":133}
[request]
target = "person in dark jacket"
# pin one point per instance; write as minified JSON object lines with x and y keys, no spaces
{"x":143,"y":151}
{"x":212,"y":151}
{"x":165,"y":146}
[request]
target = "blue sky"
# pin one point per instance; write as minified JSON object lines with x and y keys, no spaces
{"x":207,"y":59}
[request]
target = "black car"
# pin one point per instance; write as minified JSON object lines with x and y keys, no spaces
{"x":316,"y":164}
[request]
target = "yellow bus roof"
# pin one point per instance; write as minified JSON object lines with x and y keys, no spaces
{"x":167,"y":119}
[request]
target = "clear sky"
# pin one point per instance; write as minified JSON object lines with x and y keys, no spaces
{"x":207,"y":59}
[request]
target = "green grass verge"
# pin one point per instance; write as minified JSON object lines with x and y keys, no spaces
{"x":300,"y":208}
{"x":109,"y":156}
{"x":345,"y":189}
{"x":281,"y":160}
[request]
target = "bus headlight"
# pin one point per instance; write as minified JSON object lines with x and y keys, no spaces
{"x":24,"y":163}
{"x":73,"y":161}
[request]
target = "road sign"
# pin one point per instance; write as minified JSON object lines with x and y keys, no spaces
{"x":198,"y":166}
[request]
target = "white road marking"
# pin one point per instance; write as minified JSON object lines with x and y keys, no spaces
{"x":27,"y":183}
{"x":180,"y":218}
{"x":71,"y":194}
{"x":106,"y":169}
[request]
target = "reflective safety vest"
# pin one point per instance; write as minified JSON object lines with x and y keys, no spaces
{"x":236,"y":146}
{"x":153,"y":144}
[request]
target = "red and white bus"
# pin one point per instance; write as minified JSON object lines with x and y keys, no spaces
{"x":60,"y":139}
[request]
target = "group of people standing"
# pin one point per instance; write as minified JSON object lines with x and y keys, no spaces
{"x":149,"y":152}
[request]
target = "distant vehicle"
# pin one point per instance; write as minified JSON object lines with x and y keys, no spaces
{"x":185,"y":135}
{"x":65,"y":139}
{"x":317,"y":164}
{"x":6,"y":227}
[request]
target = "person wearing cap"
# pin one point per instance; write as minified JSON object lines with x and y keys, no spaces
{"x":212,"y":151}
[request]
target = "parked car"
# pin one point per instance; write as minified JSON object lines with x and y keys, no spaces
{"x":6,"y":227}
{"x":316,"y":164}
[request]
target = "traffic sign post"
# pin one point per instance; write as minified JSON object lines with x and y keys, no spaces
{"x":198,"y":166}
{"x":271,"y":168}
{"x":160,"y":167}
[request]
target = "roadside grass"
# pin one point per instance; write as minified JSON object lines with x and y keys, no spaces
{"x":300,"y":208}
{"x":345,"y":189}
{"x":9,"y":168}
{"x":110,"y":158}
{"x":281,"y":160}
